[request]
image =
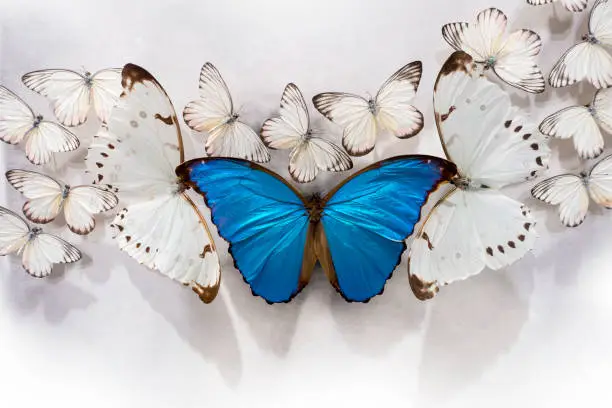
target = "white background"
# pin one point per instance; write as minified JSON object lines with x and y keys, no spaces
{"x":106,"y":332}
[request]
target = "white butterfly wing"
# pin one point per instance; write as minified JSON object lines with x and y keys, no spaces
{"x":14,"y":232}
{"x":571,"y":5}
{"x":578,"y":124}
{"x":236,"y":139}
{"x":516,"y":61}
{"x":16,"y":117}
{"x":353,"y":114}
{"x":67,"y":90}
{"x":43,"y":251}
{"x":602,"y":108}
{"x":600,"y":182}
{"x":81,"y":205}
{"x":105,"y":91}
{"x":480,"y":40}
{"x":48,"y":138}
{"x":584,"y":61}
{"x":569,"y":192}
{"x":600,"y":22}
{"x":314,"y":154}
{"x":293,"y":123}
{"x":44,"y":195}
{"x":488,"y":139}
{"x":393,"y":102}
{"x":215,"y":106}
{"x":459,"y":239}
{"x":137,"y":155}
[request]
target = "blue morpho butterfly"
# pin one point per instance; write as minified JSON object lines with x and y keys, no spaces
{"x":276,"y":235}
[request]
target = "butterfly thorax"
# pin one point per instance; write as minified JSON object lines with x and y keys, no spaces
{"x":65,"y":191}
{"x":34,"y":232}
{"x":585,"y":177}
{"x":465,"y":183}
{"x":37,"y":120}
{"x":88,"y":78}
{"x":372,"y":106}
{"x":315,"y":207}
{"x":490,"y":62}
{"x":232,"y":119}
{"x":590,"y":38}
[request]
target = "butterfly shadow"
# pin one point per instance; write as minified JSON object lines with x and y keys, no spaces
{"x":272,"y":326}
{"x":208,"y":329}
{"x":374,"y":327}
{"x":553,"y":18}
{"x":471,"y":325}
{"x":55,"y":295}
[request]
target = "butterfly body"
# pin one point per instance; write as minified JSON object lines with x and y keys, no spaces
{"x":356,"y":231}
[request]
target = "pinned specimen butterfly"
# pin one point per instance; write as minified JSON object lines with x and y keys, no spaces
{"x":19,"y":123}
{"x":474,"y":225}
{"x":571,"y":192}
{"x":47,"y":197}
{"x":214,"y":113}
{"x":363,"y":119}
{"x":588,"y":60}
{"x":583,"y":124}
{"x":39,"y":251}
{"x":291,"y":130}
{"x":356,"y":231}
{"x":512,"y":58}
{"x":73,"y":94}
{"x":160,"y":226}
{"x":571,"y":5}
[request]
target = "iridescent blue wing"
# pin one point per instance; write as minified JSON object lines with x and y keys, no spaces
{"x":367,"y":219}
{"x":264,"y":220}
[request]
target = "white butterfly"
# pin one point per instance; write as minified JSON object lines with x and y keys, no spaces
{"x":512,"y":58}
{"x":363,"y":119}
{"x":39,"y":251}
{"x":474,"y":225}
{"x":582,"y":124}
{"x":571,"y":192}
{"x":588,"y":59}
{"x":291,"y":130}
{"x":47,"y":197}
{"x":42,"y":138}
{"x":571,"y":5}
{"x":160,"y":226}
{"x":72,"y":94}
{"x":214,"y":113}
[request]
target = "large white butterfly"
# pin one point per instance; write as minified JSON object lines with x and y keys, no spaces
{"x":39,"y":251}
{"x":571,"y":192}
{"x":363,"y":119}
{"x":291,"y":130}
{"x":72,"y":94}
{"x":214,"y":113}
{"x":571,"y":5}
{"x":588,"y":60}
{"x":18,"y":122}
{"x":47,"y":197}
{"x":475,"y":225}
{"x":582,"y":124}
{"x":512,"y":58}
{"x":160,"y":226}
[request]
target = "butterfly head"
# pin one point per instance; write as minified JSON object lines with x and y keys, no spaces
{"x":232,"y":118}
{"x":372,"y":106}
{"x":37,"y":120}
{"x":88,"y":78}
{"x":65,"y":191}
{"x":465,"y":183}
{"x":590,"y":38}
{"x":490,"y":62}
{"x":315,"y":207}
{"x":34,"y":232}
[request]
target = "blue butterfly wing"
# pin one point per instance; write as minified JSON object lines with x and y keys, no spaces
{"x":367,"y":219}
{"x":264,"y":220}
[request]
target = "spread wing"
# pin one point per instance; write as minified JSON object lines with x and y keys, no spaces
{"x":14,"y":232}
{"x":44,"y":194}
{"x":82,"y":203}
{"x":105,"y":90}
{"x":567,"y":191}
{"x":16,"y":117}
{"x":571,"y":5}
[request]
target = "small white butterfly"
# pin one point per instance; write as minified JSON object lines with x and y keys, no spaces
{"x":160,"y":226}
{"x":214,"y":113}
{"x":47,"y":197}
{"x":512,"y":58}
{"x":42,"y":138}
{"x":571,"y":5}
{"x":39,"y":251}
{"x":363,"y":119}
{"x":493,"y":145}
{"x":291,"y":130}
{"x":72,"y":94}
{"x":588,"y":60}
{"x":571,"y":192}
{"x":583,"y":124}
